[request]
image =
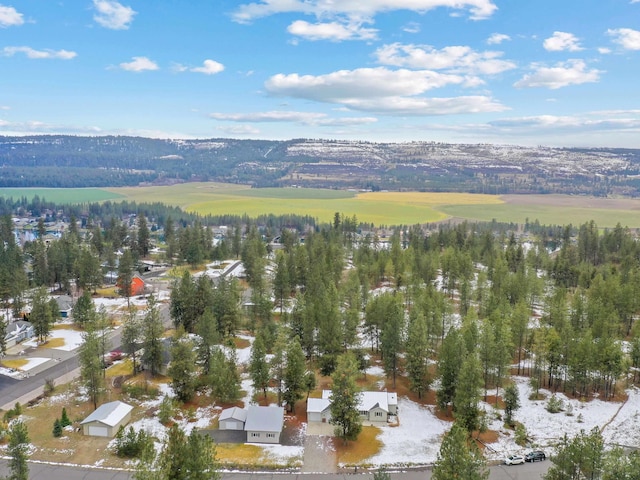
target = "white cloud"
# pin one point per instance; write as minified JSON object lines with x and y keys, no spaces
{"x":562,"y":41}
{"x":334,"y":31}
{"x":563,"y":74}
{"x":592,"y":121}
{"x":380,"y":90}
{"x":453,"y":58}
{"x":30,"y":127}
{"x":4,"y":107}
{"x":303,"y":118}
{"x":10,"y":17}
{"x":478,"y":9}
{"x":39,"y":54}
{"x":139,"y":64}
{"x":113,"y":15}
{"x":627,"y":38}
{"x":411,"y":27}
{"x":604,"y":50}
{"x":239,"y":130}
{"x":209,"y":67}
{"x":363,"y":81}
{"x":498,"y":38}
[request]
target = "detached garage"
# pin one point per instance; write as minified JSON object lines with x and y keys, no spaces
{"x":107,"y":419}
{"x":232,"y":419}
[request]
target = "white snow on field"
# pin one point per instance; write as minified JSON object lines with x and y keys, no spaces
{"x":623,"y":429}
{"x":281,"y":454}
{"x":33,"y":362}
{"x":545,"y":429}
{"x":415,"y":441}
{"x":72,"y":339}
{"x":244,"y":354}
{"x":10,"y":372}
{"x":375,"y":370}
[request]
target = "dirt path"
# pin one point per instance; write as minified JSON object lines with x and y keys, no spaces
{"x":319,"y":456}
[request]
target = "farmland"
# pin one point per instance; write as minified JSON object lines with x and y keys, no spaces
{"x":380,"y":208}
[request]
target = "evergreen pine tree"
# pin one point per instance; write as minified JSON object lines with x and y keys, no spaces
{"x":18,"y":451}
{"x":345,"y":397}
{"x":294,"y":381}
{"x":457,"y":459}
{"x":258,"y":366}
{"x":57,"y":428}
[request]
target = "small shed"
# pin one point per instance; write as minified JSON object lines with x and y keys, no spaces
{"x":137,"y":285}
{"x":107,"y":419}
{"x":264,"y":424}
{"x":232,"y":418}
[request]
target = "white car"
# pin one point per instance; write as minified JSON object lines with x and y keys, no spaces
{"x":514,"y":460}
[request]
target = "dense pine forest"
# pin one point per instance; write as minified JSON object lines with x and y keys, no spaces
{"x":452,"y":308}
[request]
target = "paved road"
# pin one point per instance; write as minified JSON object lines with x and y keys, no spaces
{"x":12,"y":390}
{"x":39,"y":471}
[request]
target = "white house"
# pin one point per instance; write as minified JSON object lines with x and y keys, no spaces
{"x":373,"y":406}
{"x":262,"y":424}
{"x":18,"y":332}
{"x":107,"y":419}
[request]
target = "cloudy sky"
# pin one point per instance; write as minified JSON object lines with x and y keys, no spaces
{"x":543,"y":72}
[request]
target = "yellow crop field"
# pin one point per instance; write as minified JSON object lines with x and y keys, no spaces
{"x":379,"y":208}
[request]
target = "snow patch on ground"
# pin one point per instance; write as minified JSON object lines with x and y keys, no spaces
{"x":415,"y":441}
{"x":33,"y":362}
{"x":72,"y":339}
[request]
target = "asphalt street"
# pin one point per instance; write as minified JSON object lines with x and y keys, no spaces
{"x":41,"y":471}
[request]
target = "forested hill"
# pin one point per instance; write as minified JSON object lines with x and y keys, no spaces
{"x":71,"y":161}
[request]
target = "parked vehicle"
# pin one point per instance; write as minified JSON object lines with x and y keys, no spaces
{"x":514,"y":460}
{"x":535,"y":456}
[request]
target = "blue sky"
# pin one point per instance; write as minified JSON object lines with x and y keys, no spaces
{"x":543,"y":72}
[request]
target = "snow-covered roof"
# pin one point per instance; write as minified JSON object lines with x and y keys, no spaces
{"x":109,"y":413}
{"x":233,"y":413}
{"x":317,"y":405}
{"x":264,"y":419}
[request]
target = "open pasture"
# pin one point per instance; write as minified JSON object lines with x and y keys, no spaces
{"x":379,"y":208}
{"x":554,"y":209}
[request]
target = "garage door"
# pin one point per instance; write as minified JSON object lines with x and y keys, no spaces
{"x":98,"y":431}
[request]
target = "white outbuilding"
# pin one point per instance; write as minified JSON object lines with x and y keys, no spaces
{"x":232,"y":419}
{"x":106,"y":420}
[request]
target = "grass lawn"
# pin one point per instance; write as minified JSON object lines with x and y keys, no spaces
{"x":354,"y":453}
{"x":17,"y":363}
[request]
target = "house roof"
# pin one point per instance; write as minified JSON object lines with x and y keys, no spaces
{"x":369,"y":400}
{"x":233,"y":413}
{"x":109,"y":413}
{"x":264,"y":419}
{"x":317,"y":405}
{"x":65,"y":302}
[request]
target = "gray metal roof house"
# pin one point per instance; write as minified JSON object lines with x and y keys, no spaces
{"x":106,"y":420}
{"x":264,"y":424}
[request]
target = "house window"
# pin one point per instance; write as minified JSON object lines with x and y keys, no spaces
{"x":255,"y":434}
{"x":363,"y":413}
{"x":378,"y":414}
{"x":271,"y":435}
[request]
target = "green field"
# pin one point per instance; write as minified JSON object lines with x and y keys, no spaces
{"x":62,"y":195}
{"x":379,"y":208}
{"x":546,"y":215}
